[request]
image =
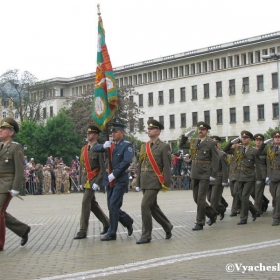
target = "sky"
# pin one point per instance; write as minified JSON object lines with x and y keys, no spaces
{"x":58,"y":38}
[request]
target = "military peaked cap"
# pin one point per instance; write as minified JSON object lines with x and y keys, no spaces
{"x":93,"y":129}
{"x":10,"y":122}
{"x":258,"y":136}
{"x":155,"y":124}
{"x":216,"y":138}
{"x":246,"y":134}
{"x":203,"y":125}
{"x":114,"y":126}
{"x":275,"y":133}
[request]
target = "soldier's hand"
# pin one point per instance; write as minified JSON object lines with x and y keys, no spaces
{"x":111,"y":177}
{"x":235,"y":140}
{"x":190,"y":133}
{"x":107,"y":144}
{"x":268,"y":141}
{"x":81,"y":187}
{"x":95,"y":187}
{"x":137,"y":189}
{"x":224,"y":184}
{"x":267,"y":181}
{"x":14,"y":192}
{"x":212,"y":178}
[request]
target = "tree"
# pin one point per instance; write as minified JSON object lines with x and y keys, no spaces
{"x":24,"y":95}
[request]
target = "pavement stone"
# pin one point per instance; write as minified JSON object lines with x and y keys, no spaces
{"x":52,"y":253}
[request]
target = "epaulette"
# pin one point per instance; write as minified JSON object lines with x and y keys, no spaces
{"x":125,"y":141}
{"x":13,"y":142}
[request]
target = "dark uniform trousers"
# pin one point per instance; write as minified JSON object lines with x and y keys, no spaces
{"x":214,"y":196}
{"x":115,"y":200}
{"x":258,"y":196}
{"x":235,"y":197}
{"x":90,"y":204}
{"x":275,"y":193}
{"x":149,"y":210}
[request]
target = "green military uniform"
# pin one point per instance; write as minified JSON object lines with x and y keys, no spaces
{"x":205,"y":161}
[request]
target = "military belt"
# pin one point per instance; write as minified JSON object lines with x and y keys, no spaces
{"x":2,"y":175}
{"x":246,"y":168}
{"x":146,"y":169}
{"x":195,"y":161}
{"x":275,"y":167}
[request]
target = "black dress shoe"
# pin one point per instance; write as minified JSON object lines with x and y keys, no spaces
{"x":242,"y":222}
{"x":222,"y":215}
{"x":238,"y":212}
{"x":143,"y":241}
{"x":108,"y":238}
{"x":265,"y":207}
{"x":258,"y":215}
{"x":233,"y":214}
{"x":275,"y":223}
{"x":254,"y":217}
{"x":197,"y":227}
{"x":80,"y":235}
{"x":212,"y":220}
{"x":130,"y":229}
{"x":24,"y":238}
{"x":169,"y":233}
{"x":105,"y":230}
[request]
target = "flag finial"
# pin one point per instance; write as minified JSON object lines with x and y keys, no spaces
{"x":98,"y":10}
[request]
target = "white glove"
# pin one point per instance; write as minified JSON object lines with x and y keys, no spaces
{"x":111,"y":177}
{"x":258,"y":182}
{"x":268,"y":141}
{"x":212,"y":178}
{"x":81,"y":187}
{"x":235,"y":140}
{"x":107,"y":144}
{"x":190,"y":133}
{"x":95,"y":187}
{"x":137,"y":189}
{"x":224,"y":184}
{"x":228,"y":181}
{"x":13,"y":192}
{"x":267,"y":180}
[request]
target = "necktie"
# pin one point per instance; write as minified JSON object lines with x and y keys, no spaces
{"x":152,"y":143}
{"x":198,"y":142}
{"x":1,"y":147}
{"x":244,"y":150}
{"x":276,"y":148}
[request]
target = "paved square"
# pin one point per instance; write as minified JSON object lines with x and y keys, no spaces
{"x":52,"y":253}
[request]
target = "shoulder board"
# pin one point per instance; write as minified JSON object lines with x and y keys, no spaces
{"x":125,"y":141}
{"x":13,"y":142}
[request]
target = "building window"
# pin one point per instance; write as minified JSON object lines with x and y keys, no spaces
{"x":275,"y":110}
{"x":164,"y":74}
{"x":44,"y":113}
{"x":260,"y":82}
{"x":160,"y":98}
{"x":219,"y":116}
{"x":231,"y":87}
{"x":245,"y":85}
{"x":61,"y":92}
{"x":194,"y":119}
{"x":155,"y":76}
{"x":172,"y":121}
{"x":135,"y":79}
{"x":150,"y":99}
{"x":131,"y":125}
{"x":261,"y":112}
{"x":217,"y":62}
{"x":16,"y":115}
{"x":230,"y":62}
{"x":175,"y":72}
{"x":141,"y":124}
{"x":4,"y":115}
{"x":182,"y":94}
{"x":187,"y":70}
{"x":159,"y":75}
{"x":170,"y":73}
{"x":130,"y":80}
{"x":149,"y":77}
{"x":125,"y":81}
{"x":246,"y":113}
{"x":207,"y":117}
{"x":140,"y":96}
{"x":161,"y":120}
{"x":51,"y":111}
{"x":206,"y":90}
{"x":224,"y":63}
{"x":140,"y":79}
{"x":257,"y":56}
{"x":211,"y":65}
{"x":5,"y":102}
{"x":77,"y":91}
{"x":236,"y":60}
{"x":181,"y":71}
{"x":232,"y":115}
{"x":183,"y":120}
{"x":219,"y":91}
{"x":204,"y":64}
{"x":198,"y":67}
{"x":193,"y":69}
{"x":145,"y":78}
{"x":194,"y":92}
{"x":251,"y":57}
{"x":244,"y":59}
{"x":274,"y":77}
{"x":171,"y":96}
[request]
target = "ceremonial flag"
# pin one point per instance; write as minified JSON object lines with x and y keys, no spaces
{"x":105,"y":97}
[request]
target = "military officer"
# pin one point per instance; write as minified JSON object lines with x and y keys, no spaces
{"x":11,"y":179}
{"x":48,"y":180}
{"x":154,"y":169}
{"x":273,"y":172}
{"x":121,"y":154}
{"x":93,"y":169}
{"x":205,"y":164}
{"x":216,"y":186}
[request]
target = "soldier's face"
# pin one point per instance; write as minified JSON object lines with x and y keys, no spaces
{"x":258,"y":142}
{"x":276,"y":140}
{"x":152,"y":132}
{"x":92,"y":136}
{"x":202,"y":133}
{"x":117,"y":135}
{"x":5,"y":133}
{"x":246,"y":141}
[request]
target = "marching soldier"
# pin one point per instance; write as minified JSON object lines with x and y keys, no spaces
{"x":216,"y":186}
{"x":91,"y":178}
{"x":48,"y":180}
{"x":154,"y":173}
{"x":205,"y":163}
{"x":58,"y":178}
{"x":273,"y":172}
{"x":248,"y":172}
{"x":11,"y":179}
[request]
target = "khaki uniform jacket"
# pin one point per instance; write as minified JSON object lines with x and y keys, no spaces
{"x":223,"y":171}
{"x":11,"y":164}
{"x":96,"y":160}
{"x":205,"y":158}
{"x":146,"y":177}
{"x":273,"y":163}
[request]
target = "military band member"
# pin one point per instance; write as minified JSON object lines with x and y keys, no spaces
{"x":154,"y":171}
{"x":121,"y":153}
{"x":273,"y":172}
{"x":11,"y":179}
{"x":92,"y":170}
{"x":205,"y":163}
{"x":216,"y":186}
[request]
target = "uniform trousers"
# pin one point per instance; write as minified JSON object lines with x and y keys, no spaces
{"x":7,"y":220}
{"x":200,"y":188}
{"x":214,"y":196}
{"x":90,"y":204}
{"x":58,"y":183}
{"x":275,"y":193}
{"x":235,"y":197}
{"x":149,"y":210}
{"x":115,"y":199}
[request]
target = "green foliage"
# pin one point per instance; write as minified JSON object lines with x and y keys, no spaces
{"x":267,"y":134}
